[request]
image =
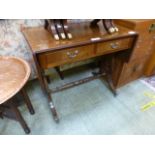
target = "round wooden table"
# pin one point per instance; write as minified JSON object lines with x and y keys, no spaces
{"x":14,"y":73}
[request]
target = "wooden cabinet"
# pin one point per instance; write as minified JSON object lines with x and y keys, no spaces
{"x":142,"y":61}
{"x":150,"y":67}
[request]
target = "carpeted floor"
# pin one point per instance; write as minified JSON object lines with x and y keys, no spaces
{"x":87,"y":109}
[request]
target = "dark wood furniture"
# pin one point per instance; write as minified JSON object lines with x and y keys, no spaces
{"x":87,"y":43}
{"x":58,"y":28}
{"x":14,"y":73}
{"x":142,"y":62}
{"x":108,"y":24}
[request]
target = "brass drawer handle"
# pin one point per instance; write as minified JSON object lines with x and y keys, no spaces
{"x":73,"y":54}
{"x":114,"y":45}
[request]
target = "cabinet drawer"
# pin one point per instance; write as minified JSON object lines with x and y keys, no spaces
{"x":60,"y":57}
{"x":115,"y":45}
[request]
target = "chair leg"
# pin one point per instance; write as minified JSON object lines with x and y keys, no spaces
{"x":27,"y":101}
{"x":19,"y":118}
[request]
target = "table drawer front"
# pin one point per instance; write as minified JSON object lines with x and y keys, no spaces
{"x":115,"y":45}
{"x":70,"y":55}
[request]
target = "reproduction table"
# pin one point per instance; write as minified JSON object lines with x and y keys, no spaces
{"x":87,"y":42}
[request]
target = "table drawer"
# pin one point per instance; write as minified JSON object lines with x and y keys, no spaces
{"x":114,"y":45}
{"x":60,"y":57}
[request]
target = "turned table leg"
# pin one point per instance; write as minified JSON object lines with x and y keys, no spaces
{"x":19,"y":117}
{"x":53,"y":109}
{"x":27,"y":101}
{"x":44,"y":85}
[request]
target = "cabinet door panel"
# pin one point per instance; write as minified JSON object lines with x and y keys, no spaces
{"x":132,"y":71}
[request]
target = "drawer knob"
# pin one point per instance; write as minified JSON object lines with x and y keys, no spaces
{"x":72,"y":54}
{"x":114,"y":45}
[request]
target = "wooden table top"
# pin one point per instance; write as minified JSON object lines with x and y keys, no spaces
{"x":14,"y":73}
{"x":41,"y":40}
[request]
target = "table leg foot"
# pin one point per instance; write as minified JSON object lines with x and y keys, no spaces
{"x":114,"y":92}
{"x":27,"y":130}
{"x":54,"y":113}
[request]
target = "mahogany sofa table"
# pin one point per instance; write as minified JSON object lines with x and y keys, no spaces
{"x":14,"y":73}
{"x":87,"y":43}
